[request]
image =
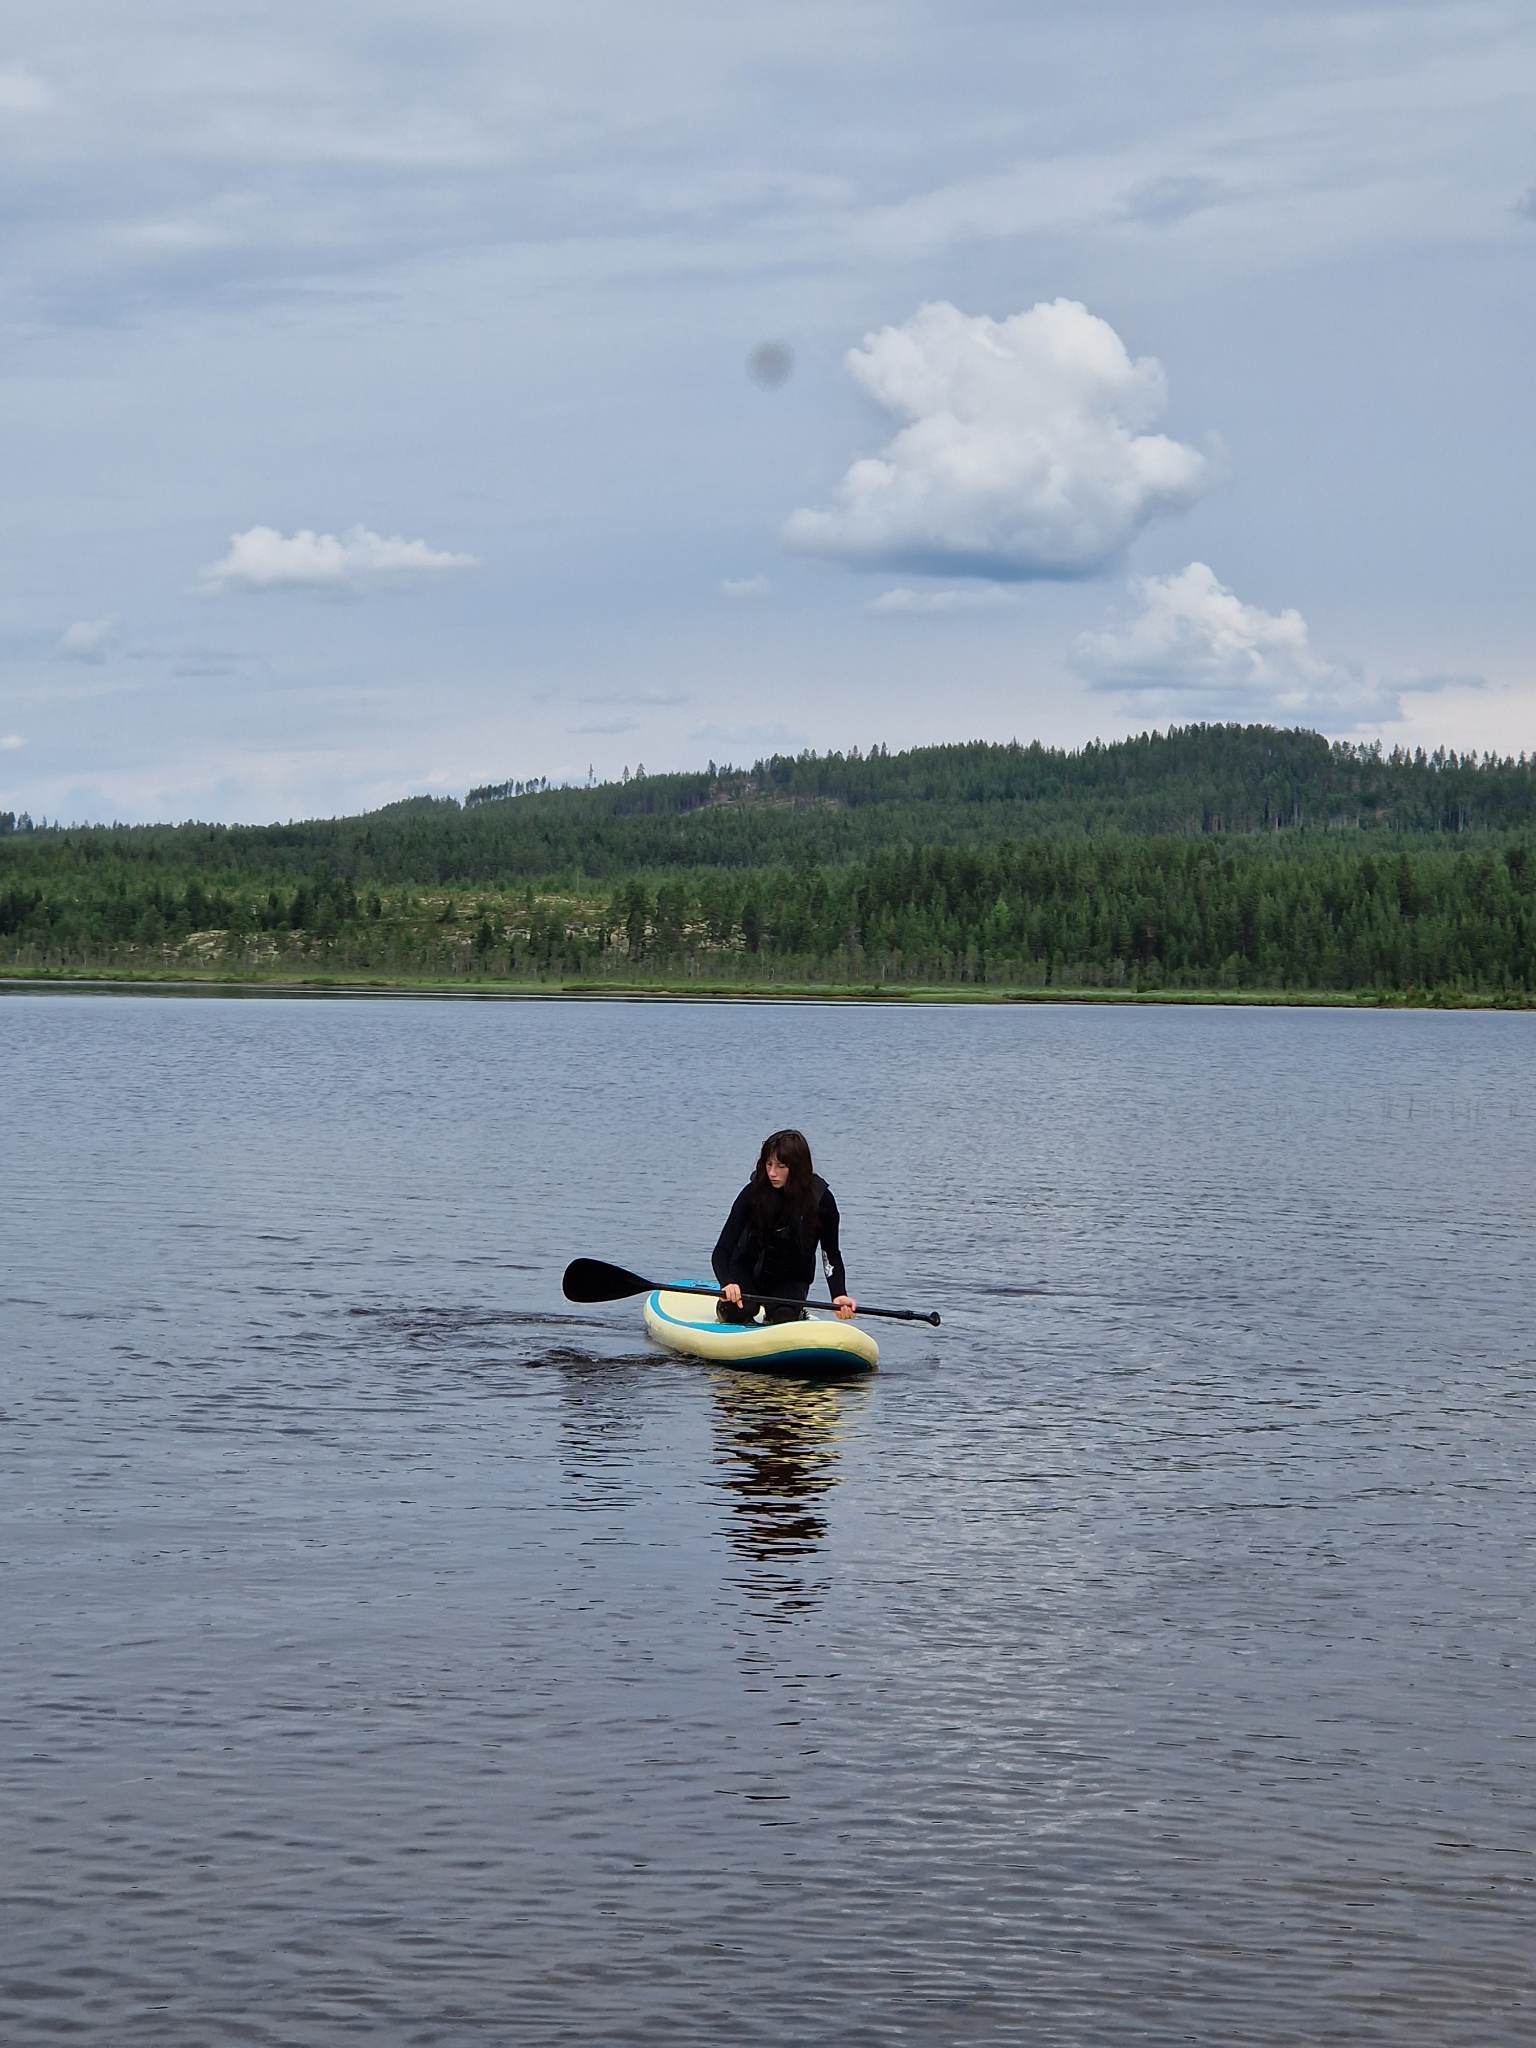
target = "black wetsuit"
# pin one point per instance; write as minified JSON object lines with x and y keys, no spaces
{"x":779,"y":1259}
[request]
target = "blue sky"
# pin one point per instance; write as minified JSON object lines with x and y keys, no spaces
{"x":377,"y":416}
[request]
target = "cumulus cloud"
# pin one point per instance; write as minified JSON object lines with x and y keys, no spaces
{"x":10,"y":741}
{"x":87,"y":639}
{"x":264,"y":559}
{"x":744,"y":586}
{"x":1192,"y":633}
{"x":1027,"y":449}
{"x":1193,"y":647}
{"x":977,"y":597}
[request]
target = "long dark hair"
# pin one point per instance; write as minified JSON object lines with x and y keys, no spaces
{"x":800,"y":1199}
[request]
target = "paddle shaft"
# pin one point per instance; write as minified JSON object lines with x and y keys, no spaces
{"x":892,"y":1315}
{"x":596,"y":1280}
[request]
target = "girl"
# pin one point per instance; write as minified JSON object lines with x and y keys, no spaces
{"x":768,"y":1245}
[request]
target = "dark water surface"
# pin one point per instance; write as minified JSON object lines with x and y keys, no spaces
{"x":393,"y":1653}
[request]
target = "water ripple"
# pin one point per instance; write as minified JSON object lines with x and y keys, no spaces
{"x":394,"y":1653}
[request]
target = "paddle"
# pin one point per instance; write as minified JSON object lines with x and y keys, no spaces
{"x":593,"y":1280}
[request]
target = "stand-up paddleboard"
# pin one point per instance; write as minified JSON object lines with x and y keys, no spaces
{"x":688,"y":1323}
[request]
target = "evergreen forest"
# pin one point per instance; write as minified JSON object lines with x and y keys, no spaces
{"x":1219,"y":859}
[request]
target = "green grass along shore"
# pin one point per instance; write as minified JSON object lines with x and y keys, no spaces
{"x":555,"y":988}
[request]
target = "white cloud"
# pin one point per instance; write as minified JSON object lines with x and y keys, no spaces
{"x":1194,"y":648}
{"x":1026,"y":449}
{"x":22,"y":91}
{"x":178,"y":236}
{"x":1192,"y":633}
{"x":744,"y":586}
{"x":977,"y":597}
{"x":87,"y":639}
{"x":653,"y":698}
{"x":1175,"y":196}
{"x":10,"y":741}
{"x":1327,"y":127}
{"x":744,"y":742}
{"x":264,"y":559}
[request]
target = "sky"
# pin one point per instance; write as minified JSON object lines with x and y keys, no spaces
{"x":399,"y":399}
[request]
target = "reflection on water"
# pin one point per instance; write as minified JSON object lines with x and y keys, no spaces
{"x":777,"y":1447}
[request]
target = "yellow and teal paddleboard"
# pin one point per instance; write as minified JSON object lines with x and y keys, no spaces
{"x":688,"y":1323}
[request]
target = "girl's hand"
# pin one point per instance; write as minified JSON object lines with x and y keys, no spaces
{"x":846,"y":1307}
{"x":732,"y":1293}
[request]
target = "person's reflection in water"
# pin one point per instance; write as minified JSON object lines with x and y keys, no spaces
{"x":777,"y":1449}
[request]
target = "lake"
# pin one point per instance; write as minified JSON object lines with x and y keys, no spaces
{"x":393,"y":1652}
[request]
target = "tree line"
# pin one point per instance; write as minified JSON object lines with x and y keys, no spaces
{"x":1383,"y":913}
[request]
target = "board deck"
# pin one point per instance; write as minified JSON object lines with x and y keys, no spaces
{"x":687,"y":1323}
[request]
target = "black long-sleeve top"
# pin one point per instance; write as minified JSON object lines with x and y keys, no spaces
{"x":759,"y":1263}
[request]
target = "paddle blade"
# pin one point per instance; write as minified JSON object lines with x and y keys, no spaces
{"x":595,"y":1280}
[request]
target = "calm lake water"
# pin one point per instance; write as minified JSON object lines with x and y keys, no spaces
{"x":393,"y":1653}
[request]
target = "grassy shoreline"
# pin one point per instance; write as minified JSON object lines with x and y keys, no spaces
{"x":517,"y":989}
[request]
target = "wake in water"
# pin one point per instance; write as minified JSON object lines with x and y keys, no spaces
{"x":447,"y":1325}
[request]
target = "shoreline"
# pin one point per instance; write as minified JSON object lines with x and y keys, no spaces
{"x":349,"y":988}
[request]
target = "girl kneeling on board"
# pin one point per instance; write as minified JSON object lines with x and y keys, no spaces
{"x":782,"y":1216}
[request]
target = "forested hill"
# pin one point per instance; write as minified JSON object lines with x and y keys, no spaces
{"x":1198,"y":778}
{"x":1215,"y":858}
{"x":833,"y":808}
